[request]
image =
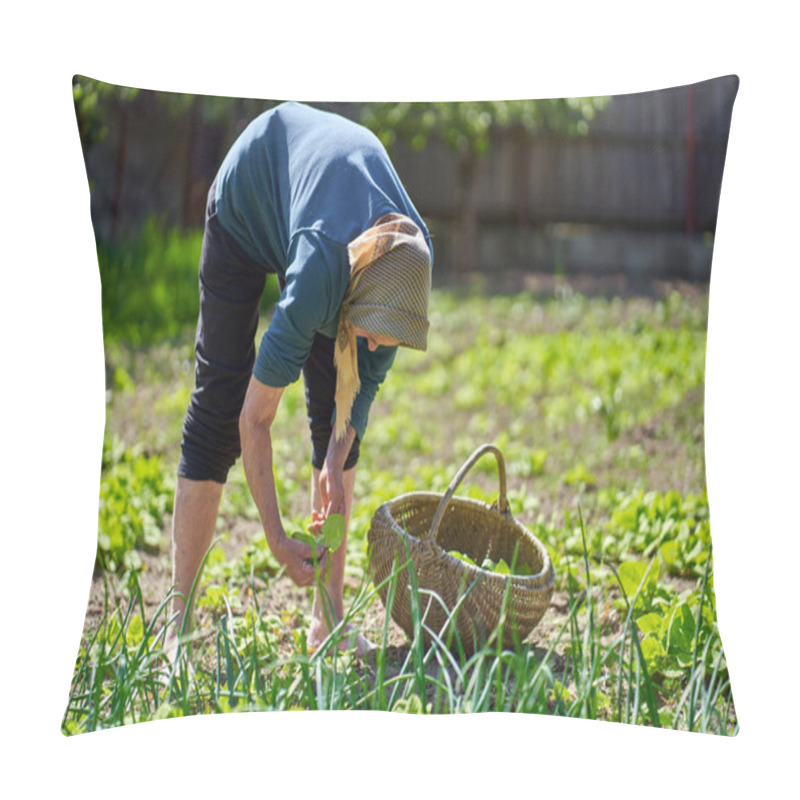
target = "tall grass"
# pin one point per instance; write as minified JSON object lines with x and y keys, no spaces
{"x":122,"y":675}
{"x":578,"y":670}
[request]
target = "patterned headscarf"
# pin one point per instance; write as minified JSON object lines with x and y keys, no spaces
{"x":390,"y":298}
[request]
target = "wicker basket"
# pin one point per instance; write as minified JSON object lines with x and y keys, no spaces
{"x":421,"y":527}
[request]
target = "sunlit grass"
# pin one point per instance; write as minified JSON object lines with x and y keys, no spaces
{"x":597,"y":407}
{"x":122,"y":677}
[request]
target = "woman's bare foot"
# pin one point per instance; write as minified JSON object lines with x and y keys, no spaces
{"x":175,"y":659}
{"x":348,"y":638}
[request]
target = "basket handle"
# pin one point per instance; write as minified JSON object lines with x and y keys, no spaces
{"x":502,"y":503}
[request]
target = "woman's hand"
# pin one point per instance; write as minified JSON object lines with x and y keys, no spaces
{"x":258,"y":412}
{"x":297,"y":558}
{"x":331,"y":490}
{"x":331,"y":476}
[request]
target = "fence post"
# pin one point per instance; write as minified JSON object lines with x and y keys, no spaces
{"x":690,"y":161}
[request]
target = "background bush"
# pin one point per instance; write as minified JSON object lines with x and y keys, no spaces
{"x":150,"y":284}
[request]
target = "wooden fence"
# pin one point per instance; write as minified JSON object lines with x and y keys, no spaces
{"x":651,"y":161}
{"x":638,"y":194}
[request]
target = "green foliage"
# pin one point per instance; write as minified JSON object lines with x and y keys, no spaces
{"x":675,"y":626}
{"x":664,"y":667}
{"x":135,"y":495}
{"x":409,"y":705}
{"x":579,"y":476}
{"x":525,"y":374}
{"x":229,"y":575}
{"x":98,"y":103}
{"x":95,"y":102}
{"x":499,"y":567}
{"x":150,"y":285}
{"x":330,"y":535}
{"x":467,"y":127}
{"x":672,"y":527}
{"x":212,"y":109}
{"x":637,"y":578}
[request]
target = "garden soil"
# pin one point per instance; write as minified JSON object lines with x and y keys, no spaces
{"x":667,"y":468}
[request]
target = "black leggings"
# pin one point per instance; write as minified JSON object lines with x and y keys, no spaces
{"x":231,"y":285}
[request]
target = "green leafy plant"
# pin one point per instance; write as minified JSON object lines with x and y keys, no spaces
{"x":330,"y":533}
{"x":673,"y":527}
{"x":499,"y":567}
{"x":135,"y":496}
{"x":538,"y":367}
{"x":673,"y":625}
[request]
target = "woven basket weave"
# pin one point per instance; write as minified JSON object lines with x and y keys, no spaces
{"x":422,"y":527}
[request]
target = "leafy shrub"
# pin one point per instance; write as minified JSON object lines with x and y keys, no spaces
{"x":135,"y":496}
{"x":676,"y":627}
{"x":150,"y":284}
{"x":676,"y":528}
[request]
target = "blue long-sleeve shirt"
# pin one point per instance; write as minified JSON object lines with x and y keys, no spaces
{"x":297,"y":186}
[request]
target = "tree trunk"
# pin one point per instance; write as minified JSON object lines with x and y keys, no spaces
{"x":122,"y":151}
{"x":189,"y":178}
{"x":466,"y":247}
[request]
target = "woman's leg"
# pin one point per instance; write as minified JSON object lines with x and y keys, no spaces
{"x":193,"y":523}
{"x":231,"y":285}
{"x":319,"y":374}
{"x":328,"y":608}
